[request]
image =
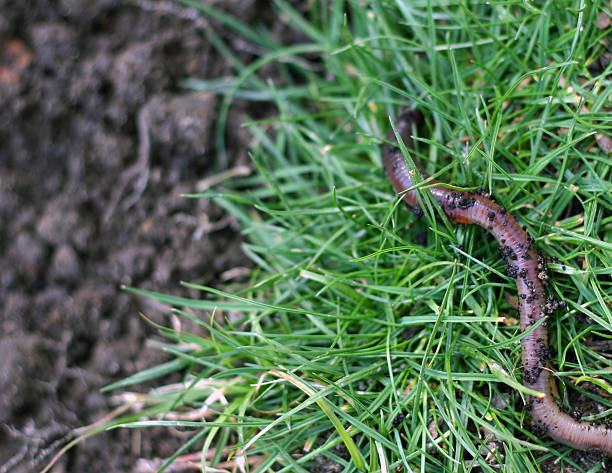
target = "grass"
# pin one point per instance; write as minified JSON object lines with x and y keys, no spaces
{"x":347,"y":324}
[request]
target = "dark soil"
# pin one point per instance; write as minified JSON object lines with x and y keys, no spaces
{"x":97,"y":142}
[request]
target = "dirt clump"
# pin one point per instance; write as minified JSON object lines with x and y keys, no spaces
{"x":98,"y":143}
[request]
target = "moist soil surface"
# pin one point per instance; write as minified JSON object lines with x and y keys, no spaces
{"x":97,"y":143}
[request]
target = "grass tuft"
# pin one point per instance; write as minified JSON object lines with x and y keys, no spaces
{"x":352,"y":345}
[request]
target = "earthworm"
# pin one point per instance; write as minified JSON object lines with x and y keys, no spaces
{"x":525,"y":266}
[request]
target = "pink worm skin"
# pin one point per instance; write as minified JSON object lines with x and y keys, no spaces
{"x":527,"y":268}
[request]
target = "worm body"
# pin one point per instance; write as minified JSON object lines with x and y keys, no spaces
{"x":527,"y":268}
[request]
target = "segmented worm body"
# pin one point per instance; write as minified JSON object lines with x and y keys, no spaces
{"x":527,"y":268}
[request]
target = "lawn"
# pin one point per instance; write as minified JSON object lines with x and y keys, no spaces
{"x":366,"y":338}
